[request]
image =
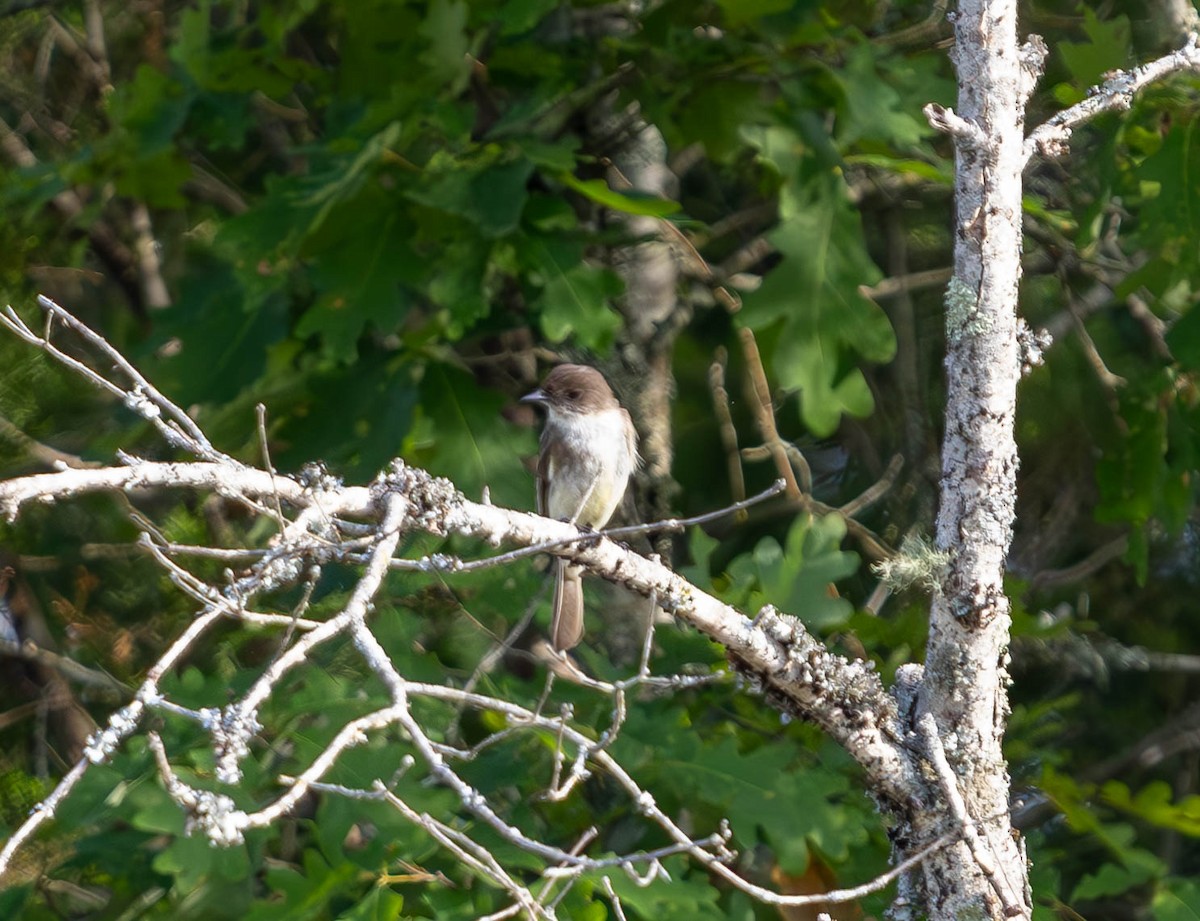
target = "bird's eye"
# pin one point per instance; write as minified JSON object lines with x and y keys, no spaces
{"x":574,"y":395}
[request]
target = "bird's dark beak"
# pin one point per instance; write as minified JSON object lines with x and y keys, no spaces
{"x":537,"y":396}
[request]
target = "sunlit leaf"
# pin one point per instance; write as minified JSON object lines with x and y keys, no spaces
{"x":598,"y":191}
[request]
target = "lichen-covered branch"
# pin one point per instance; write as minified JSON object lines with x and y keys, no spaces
{"x":962,"y":704}
{"x":319,"y":519}
{"x":964,"y":690}
{"x":1050,"y":139}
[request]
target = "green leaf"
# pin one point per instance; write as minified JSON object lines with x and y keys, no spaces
{"x":752,"y":789}
{"x":811,"y":300}
{"x":460,"y":285}
{"x":629,"y":203}
{"x":1178,"y":900}
{"x":836,"y":819}
{"x":1113,"y":879}
{"x":797,"y":579}
{"x":1183,"y":338}
{"x":744,"y":783}
{"x":559,"y":155}
{"x":575,"y":297}
{"x":739,"y":12}
{"x":343,"y":180}
{"x":491,"y":197}
{"x":716,"y":112}
{"x":358,"y":276}
{"x":1155,"y":803}
{"x":223,"y":335}
{"x":468,"y":440}
{"x":187,"y":858}
{"x":688,"y":895}
{"x":755,"y":787}
{"x":518,"y":16}
{"x":700,"y":550}
{"x":195,"y":863}
{"x":278,"y":21}
{"x":300,"y":896}
{"x":379,"y":905}
{"x":1132,"y":866}
{"x":871,"y":108}
{"x":155,"y":811}
{"x":1170,"y":213}
{"x":152,"y":106}
{"x":218,"y":60}
{"x":156,"y":180}
{"x":1129,"y":472}
{"x":446,"y":57}
{"x":14,"y":898}
{"x":1106,"y":48}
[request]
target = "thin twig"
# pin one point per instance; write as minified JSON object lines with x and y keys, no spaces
{"x":155,"y":294}
{"x":1110,"y":381}
{"x":876,"y":490}
{"x":764,"y":413}
{"x":923,"y":33}
{"x":1048,"y":579}
{"x":43,"y":453}
{"x":982,"y":852}
{"x":260,"y":416}
{"x":439,"y":562}
{"x":726,"y":428}
{"x":67,"y":667}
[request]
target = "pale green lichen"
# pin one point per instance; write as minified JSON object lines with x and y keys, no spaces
{"x":962,"y":311}
{"x":918,"y":564}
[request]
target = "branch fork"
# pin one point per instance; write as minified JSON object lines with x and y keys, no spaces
{"x":320,"y":519}
{"x":1051,"y":138}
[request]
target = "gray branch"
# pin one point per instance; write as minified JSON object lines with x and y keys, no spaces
{"x":1050,"y":139}
{"x":320,"y":519}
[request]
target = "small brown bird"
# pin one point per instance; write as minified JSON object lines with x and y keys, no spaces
{"x":588,"y":452}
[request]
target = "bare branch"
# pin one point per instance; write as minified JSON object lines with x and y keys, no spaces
{"x":980,"y":850}
{"x":440,"y":562}
{"x":725,"y":426}
{"x":964,"y":131}
{"x":154,"y":286}
{"x":232,"y":480}
{"x":779,"y":651}
{"x":876,"y":491}
{"x":764,"y":412}
{"x":30,"y":651}
{"x":320,"y":519}
{"x":42,"y":453}
{"x":1050,"y":139}
{"x":1048,"y":579}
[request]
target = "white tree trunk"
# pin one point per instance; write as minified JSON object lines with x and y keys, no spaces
{"x":965,"y":683}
